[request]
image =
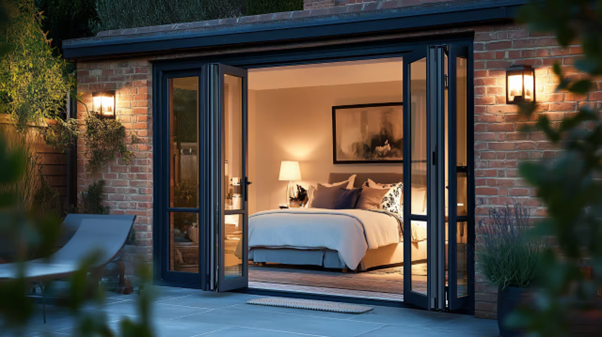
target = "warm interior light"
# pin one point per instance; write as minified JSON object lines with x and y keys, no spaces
{"x":515,"y":86}
{"x":520,"y":84}
{"x":107,"y":106}
{"x":290,"y":171}
{"x":97,"y":103}
{"x":104,"y":103}
{"x":528,"y":87}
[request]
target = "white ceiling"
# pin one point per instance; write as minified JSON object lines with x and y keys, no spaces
{"x":338,"y":73}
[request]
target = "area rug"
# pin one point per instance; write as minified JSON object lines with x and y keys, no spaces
{"x":299,"y":303}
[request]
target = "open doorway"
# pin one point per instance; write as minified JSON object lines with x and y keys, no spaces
{"x":334,"y":133}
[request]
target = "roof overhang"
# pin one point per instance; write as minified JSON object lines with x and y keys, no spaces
{"x":401,"y":20}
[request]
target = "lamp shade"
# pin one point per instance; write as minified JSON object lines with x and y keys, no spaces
{"x":289,"y":171}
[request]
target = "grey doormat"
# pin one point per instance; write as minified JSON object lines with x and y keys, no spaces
{"x":299,"y":303}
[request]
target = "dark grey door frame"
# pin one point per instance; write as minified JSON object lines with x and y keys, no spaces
{"x":325,"y":54}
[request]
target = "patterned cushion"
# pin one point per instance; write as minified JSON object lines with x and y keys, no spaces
{"x":392,"y":201}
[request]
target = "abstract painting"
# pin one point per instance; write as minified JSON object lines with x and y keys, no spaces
{"x":368,"y":133}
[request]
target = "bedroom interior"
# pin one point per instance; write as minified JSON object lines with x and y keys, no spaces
{"x":325,"y":149}
{"x":291,"y":126}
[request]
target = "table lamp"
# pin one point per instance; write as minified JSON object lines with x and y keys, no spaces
{"x":290,"y":171}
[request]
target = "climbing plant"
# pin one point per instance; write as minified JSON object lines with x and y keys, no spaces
{"x":105,"y":138}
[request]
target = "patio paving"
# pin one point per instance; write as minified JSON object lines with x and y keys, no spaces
{"x":181,"y":312}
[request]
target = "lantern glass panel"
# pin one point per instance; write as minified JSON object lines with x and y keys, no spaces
{"x":515,"y":87}
{"x":528,"y":84}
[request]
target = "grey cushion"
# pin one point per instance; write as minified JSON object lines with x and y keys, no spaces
{"x":347,"y":199}
{"x":325,"y":197}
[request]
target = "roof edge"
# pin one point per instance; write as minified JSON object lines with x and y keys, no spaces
{"x":342,"y":24}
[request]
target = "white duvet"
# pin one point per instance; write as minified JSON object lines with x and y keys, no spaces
{"x":349,"y":232}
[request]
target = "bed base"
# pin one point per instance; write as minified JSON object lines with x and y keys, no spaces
{"x":382,"y":257}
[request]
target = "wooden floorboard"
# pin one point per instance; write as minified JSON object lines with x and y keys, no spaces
{"x":382,"y":281}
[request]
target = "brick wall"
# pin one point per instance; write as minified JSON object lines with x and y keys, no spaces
{"x":499,"y":143}
{"x":129,"y":187}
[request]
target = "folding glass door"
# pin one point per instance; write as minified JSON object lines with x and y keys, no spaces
{"x":436,"y":193}
{"x":201,"y":178}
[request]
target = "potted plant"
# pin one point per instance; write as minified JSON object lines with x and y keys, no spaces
{"x":509,"y":258}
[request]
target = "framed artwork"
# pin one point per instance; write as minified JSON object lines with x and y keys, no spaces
{"x":368,"y":133}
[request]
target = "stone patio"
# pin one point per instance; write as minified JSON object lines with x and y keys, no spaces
{"x":185,"y":313}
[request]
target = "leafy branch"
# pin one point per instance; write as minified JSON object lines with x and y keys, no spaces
{"x":104,"y":138}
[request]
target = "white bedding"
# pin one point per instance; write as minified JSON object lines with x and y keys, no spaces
{"x":349,"y":232}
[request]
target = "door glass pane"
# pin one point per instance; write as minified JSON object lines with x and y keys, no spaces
{"x":233,"y":246}
{"x":461,"y":134}
{"x":446,"y":137}
{"x":183,"y":141}
{"x":234,"y":174}
{"x":233,"y":146}
{"x":419,"y":259}
{"x":462,"y":258}
{"x":184,"y":242}
{"x":418,"y":136}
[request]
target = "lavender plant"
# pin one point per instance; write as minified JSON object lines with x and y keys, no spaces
{"x":507,"y":255}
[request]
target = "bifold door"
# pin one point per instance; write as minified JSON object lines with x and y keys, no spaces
{"x":436,"y":192}
{"x":226,"y":178}
{"x":201,"y":178}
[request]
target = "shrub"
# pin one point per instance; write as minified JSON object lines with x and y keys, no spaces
{"x":90,"y":201}
{"x":255,"y":7}
{"x":33,"y":85}
{"x":120,"y":14}
{"x":507,"y":255}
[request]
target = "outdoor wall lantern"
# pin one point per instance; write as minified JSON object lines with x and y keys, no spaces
{"x":520,"y":84}
{"x":104,"y":103}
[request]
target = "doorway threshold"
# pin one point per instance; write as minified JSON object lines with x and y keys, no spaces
{"x":324,"y":291}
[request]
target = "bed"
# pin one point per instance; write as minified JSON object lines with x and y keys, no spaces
{"x":340,"y":239}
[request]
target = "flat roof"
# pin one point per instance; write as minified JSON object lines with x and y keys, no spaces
{"x":341,"y":21}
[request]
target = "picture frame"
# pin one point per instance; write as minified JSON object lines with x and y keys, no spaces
{"x":368,"y":133}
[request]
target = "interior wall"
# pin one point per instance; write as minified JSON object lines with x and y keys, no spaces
{"x":296,"y":124}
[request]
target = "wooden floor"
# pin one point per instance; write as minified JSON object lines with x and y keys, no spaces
{"x":384,"y":283}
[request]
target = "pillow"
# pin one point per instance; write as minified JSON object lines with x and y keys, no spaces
{"x":311,"y":190}
{"x":325,"y":197}
{"x":372,"y":184}
{"x":371,"y":198}
{"x":349,"y":183}
{"x":347,"y":199}
{"x":393,"y":200}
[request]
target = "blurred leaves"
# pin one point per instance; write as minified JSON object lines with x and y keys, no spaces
{"x":569,"y":184}
{"x":33,"y":81}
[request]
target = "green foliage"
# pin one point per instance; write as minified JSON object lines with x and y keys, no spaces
{"x":67,"y":19}
{"x":47,"y":200}
{"x":569,"y":185}
{"x":33,"y":85}
{"x":255,"y":7}
{"x":507,"y":256}
{"x":120,"y":14}
{"x":90,"y":201}
{"x":104,"y":139}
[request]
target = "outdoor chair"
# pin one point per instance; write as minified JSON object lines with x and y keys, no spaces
{"x":104,"y":234}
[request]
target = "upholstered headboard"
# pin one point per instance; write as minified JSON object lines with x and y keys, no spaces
{"x":383,"y":178}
